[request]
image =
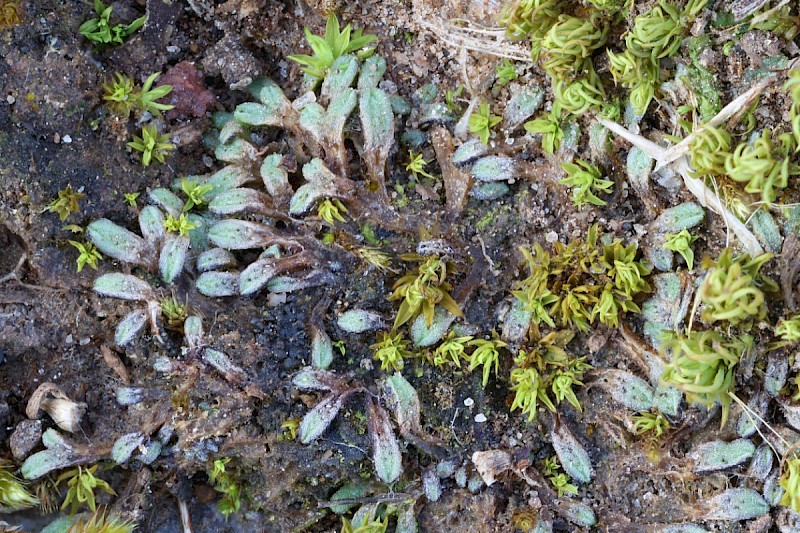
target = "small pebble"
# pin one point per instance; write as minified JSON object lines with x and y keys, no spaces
{"x":69,"y":339}
{"x":469,"y":402}
{"x":67,"y":139}
{"x":84,"y":341}
{"x":10,"y":99}
{"x":551,"y":237}
{"x":480,"y":418}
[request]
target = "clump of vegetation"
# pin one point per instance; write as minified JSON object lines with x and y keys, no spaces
{"x":391,"y":350}
{"x":335,"y":43}
{"x":531,"y":18}
{"x":123,"y":97}
{"x":546,"y":373}
{"x":180,"y":224}
{"x":423,"y":290}
{"x":487,"y":355}
{"x":708,"y":151}
{"x":152,"y":144}
{"x":416,"y":165}
{"x":790,"y":481}
{"x":66,"y":203}
{"x":550,"y":128}
{"x":732,"y":289}
{"x":330,"y":210}
{"x":586,"y":182}
{"x":13,"y":494}
{"x":100,"y":31}
{"x":505,"y":72}
{"x":100,"y":522}
{"x":482,"y":121}
{"x":788,"y":329}
{"x":582,"y":281}
{"x":224,"y":483}
{"x":653,"y":423}
{"x":703,"y":365}
{"x":764,"y":166}
{"x":569,"y":44}
{"x":792,"y":87}
{"x":88,"y":254}
{"x":560,"y":480}
{"x":682,"y":243}
{"x":82,"y":484}
{"x":452,"y":350}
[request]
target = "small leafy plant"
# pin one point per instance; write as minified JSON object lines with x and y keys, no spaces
{"x":334,"y":44}
{"x":13,"y":494}
{"x":420,"y":292}
{"x":180,"y":224}
{"x":152,"y":144}
{"x":732,"y":289}
{"x":82,"y":484}
{"x":560,"y":480}
{"x":195,"y":194}
{"x":123,"y":97}
{"x":417,"y":164}
{"x":99,"y":30}
{"x":87,"y":254}
{"x":330,"y":210}
{"x":654,"y":423}
{"x":682,"y":243}
{"x":544,"y":369}
{"x":482,"y":121}
{"x":549,"y":127}
{"x":790,"y":481}
{"x":100,"y":522}
{"x":66,"y":203}
{"x":130,"y":198}
{"x":452,"y":350}
{"x":505,"y":72}
{"x":391,"y":350}
{"x":224,"y":483}
{"x":585,"y":181}
{"x":487,"y":355}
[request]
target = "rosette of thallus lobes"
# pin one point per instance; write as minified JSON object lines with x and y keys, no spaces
{"x":192,"y":231}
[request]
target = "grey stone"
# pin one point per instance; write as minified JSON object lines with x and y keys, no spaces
{"x":25,"y":438}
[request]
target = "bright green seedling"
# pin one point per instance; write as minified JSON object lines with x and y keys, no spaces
{"x":703,"y":365}
{"x":763,"y":165}
{"x":681,"y":243}
{"x":569,"y":43}
{"x":82,"y":484}
{"x":708,"y":151}
{"x":451,"y":97}
{"x":66,"y":203}
{"x":505,"y":72}
{"x":130,"y":198}
{"x":549,"y":127}
{"x":120,"y":95}
{"x":544,"y":369}
{"x":330,"y":210}
{"x":100,"y":522}
{"x":732,"y":288}
{"x":13,"y":494}
{"x":580,"y":95}
{"x":788,"y":329}
{"x":487,"y":355}
{"x":531,"y":18}
{"x":174,"y":312}
{"x":332,"y":45}
{"x":790,"y":481}
{"x":152,"y":144}
{"x":391,"y":350}
{"x":146,"y":99}
{"x":99,"y":30}
{"x":653,"y":423}
{"x":560,"y":480}
{"x":452,"y":350}
{"x":88,"y":254}
{"x":224,"y":483}
{"x":416,"y":165}
{"x":482,"y":121}
{"x":420,"y":292}
{"x":195,"y":194}
{"x":180,"y":225}
{"x":585,"y":181}
{"x":792,"y":87}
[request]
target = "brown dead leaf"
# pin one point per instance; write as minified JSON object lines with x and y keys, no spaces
{"x":457,"y":183}
{"x":115,"y":363}
{"x":790,"y":266}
